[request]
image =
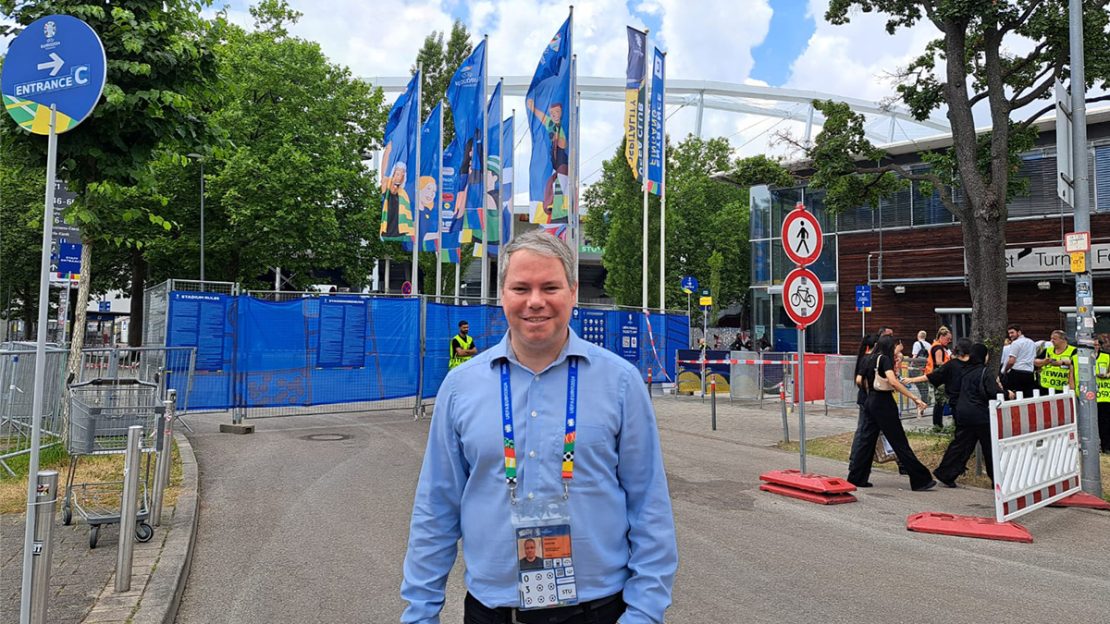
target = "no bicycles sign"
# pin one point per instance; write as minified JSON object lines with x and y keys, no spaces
{"x":802,"y":297}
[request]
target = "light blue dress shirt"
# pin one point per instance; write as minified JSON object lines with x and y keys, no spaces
{"x":622,"y":525}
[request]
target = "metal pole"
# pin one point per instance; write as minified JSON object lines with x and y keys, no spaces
{"x":1084,"y":288}
{"x":643,"y":181}
{"x":129,"y":506}
{"x":802,"y":396}
{"x":663,"y":196}
{"x":40,"y":366}
{"x":439,"y":217}
{"x":713,"y":402}
{"x":705,"y":346}
{"x":422,"y":310}
{"x":482,"y":175}
{"x":46,"y":496}
{"x":782,"y":402}
{"x":387,"y":275}
{"x":202,"y":223}
{"x":162,"y":463}
{"x":416,"y":184}
{"x":457,"y":265}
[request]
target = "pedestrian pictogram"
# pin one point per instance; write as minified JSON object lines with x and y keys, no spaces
{"x":802,"y":297}
{"x":801,"y":236}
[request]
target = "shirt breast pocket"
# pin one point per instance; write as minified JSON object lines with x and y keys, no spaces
{"x":595,"y":454}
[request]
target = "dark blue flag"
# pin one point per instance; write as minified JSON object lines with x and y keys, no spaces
{"x":548,"y":101}
{"x":398,"y":165}
{"x":656,"y":125}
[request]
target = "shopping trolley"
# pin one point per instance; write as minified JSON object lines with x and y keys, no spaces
{"x":101,"y":412}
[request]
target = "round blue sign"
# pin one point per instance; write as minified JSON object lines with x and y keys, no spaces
{"x":689,"y":284}
{"x":59,"y":61}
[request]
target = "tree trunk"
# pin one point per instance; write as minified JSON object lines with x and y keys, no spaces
{"x":985,"y":248}
{"x":138,"y":285}
{"x":28,"y":314}
{"x":82,"y":306}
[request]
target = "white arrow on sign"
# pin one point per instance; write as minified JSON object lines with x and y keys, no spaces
{"x":55,"y":62}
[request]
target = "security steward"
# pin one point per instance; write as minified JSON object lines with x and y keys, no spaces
{"x":1102,"y":378}
{"x":1055,"y":365}
{"x":462,"y":346}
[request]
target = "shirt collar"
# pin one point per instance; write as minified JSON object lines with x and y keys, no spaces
{"x":575,"y":346}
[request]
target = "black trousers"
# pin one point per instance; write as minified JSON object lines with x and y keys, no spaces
{"x":938,"y":408}
{"x":601,"y":611}
{"x":954,"y":462}
{"x":1021,"y":381}
{"x":880,"y":415}
{"x":1104,"y":426}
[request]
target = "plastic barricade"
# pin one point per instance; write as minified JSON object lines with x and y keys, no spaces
{"x":1035,"y":445}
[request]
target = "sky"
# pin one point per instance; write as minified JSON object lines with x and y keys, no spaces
{"x":778,"y":43}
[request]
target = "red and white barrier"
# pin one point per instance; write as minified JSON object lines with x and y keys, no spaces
{"x":1035,"y":444}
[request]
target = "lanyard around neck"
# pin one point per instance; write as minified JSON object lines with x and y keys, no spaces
{"x":568,"y":431}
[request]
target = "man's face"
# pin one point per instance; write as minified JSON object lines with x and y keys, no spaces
{"x":463,"y":329}
{"x":556,"y":114}
{"x":1013,"y":334}
{"x":398,"y":177}
{"x":529,"y":550}
{"x":1059,"y":342}
{"x":537,"y":301}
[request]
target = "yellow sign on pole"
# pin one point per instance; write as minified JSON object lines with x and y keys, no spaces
{"x":1079,"y":262}
{"x":705,"y":302}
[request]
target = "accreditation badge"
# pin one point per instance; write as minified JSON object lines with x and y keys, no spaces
{"x":545,"y":567}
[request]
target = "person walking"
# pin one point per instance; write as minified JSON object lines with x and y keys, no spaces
{"x":590,"y":482}
{"x":462,"y":346}
{"x":918,"y":355}
{"x":858,"y":452}
{"x":938,"y":355}
{"x":921,"y":346}
{"x":977,"y":388}
{"x":1018,"y":367}
{"x":881,"y":415}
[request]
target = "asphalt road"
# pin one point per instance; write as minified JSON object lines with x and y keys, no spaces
{"x":296,"y":528}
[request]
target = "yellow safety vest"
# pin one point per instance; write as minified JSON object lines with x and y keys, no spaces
{"x":466,"y":343}
{"x":1102,"y":366}
{"x":1054,"y":376}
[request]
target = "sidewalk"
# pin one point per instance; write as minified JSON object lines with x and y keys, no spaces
{"x":82,"y":580}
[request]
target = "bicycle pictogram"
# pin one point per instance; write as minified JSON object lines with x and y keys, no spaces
{"x":803,"y":295}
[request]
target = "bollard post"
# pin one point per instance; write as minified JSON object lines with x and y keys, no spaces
{"x":782,"y":402}
{"x":713,"y":401}
{"x":649,"y":381}
{"x":46,"y":495}
{"x":165,"y":457}
{"x":128,"y":509}
{"x":978,"y":460}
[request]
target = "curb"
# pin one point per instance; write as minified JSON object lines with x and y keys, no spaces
{"x":162,"y":595}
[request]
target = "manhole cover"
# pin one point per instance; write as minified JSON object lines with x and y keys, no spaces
{"x":326,"y":437}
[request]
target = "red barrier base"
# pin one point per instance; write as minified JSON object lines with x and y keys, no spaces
{"x":809,"y":482}
{"x":968,"y":526}
{"x":807,"y":495}
{"x":1084,"y":500}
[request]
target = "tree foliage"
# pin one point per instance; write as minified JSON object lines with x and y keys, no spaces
{"x":969,"y":63}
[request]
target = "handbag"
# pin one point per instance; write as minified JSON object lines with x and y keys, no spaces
{"x":883,"y":451}
{"x":881,"y":383}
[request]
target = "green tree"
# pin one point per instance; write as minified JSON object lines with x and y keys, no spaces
{"x":21,"y":202}
{"x":158,"y":61}
{"x":967,"y":64}
{"x":716,"y":262}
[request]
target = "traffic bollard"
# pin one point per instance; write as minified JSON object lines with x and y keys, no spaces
{"x":713,"y":401}
{"x":129,"y":506}
{"x":46,"y":495}
{"x":165,"y":457}
{"x":649,"y":381}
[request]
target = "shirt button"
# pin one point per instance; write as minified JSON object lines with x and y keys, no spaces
{"x":531,"y":453}
{"x":531,"y":495}
{"x":534,"y":414}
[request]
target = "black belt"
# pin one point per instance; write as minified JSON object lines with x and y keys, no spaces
{"x":551,"y":615}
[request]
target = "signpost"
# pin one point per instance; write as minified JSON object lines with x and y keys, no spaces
{"x":706,"y":302}
{"x":52,"y":79}
{"x":689,"y":285}
{"x":802,"y":296}
{"x":863,"y":306}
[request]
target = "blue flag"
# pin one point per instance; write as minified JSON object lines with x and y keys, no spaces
{"x":466,"y":96}
{"x":634,"y":100}
{"x":398,"y":161}
{"x":451,"y":218}
{"x":507,"y":144}
{"x":656,"y":125}
{"x":548,"y":100}
{"x":478,"y":217}
{"x":427,"y":192}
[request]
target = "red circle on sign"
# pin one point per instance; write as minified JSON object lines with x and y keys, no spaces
{"x":406,"y":288}
{"x":801,"y":236}
{"x":802,"y":297}
{"x":1090,"y":396}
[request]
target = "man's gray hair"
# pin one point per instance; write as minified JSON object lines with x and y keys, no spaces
{"x":539,"y":242}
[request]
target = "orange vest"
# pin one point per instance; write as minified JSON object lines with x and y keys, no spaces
{"x":929,"y":360}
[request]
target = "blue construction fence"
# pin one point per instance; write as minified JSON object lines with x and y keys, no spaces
{"x":356,"y":348}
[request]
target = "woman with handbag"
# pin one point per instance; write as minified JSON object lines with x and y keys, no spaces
{"x":881,"y":416}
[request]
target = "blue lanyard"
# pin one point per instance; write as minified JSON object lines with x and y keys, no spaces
{"x":568,"y":431}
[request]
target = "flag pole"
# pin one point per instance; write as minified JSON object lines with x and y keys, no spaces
{"x":414,"y":201}
{"x":500,"y":204}
{"x":482,"y":175}
{"x":439,"y":215}
{"x":663,"y":195}
{"x":572,"y":164}
{"x":643,"y":177}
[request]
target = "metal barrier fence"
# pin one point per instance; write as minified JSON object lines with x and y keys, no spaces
{"x":840,"y":381}
{"x":915,"y":367}
{"x":169,"y":368}
{"x":17,"y":381}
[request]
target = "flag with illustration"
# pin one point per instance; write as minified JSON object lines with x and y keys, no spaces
{"x":634,"y":100}
{"x":466,"y":94}
{"x":507,"y":145}
{"x":427,"y":185}
{"x":398,"y":164}
{"x":548,"y":101}
{"x":656,"y":125}
{"x":487,"y":216}
{"x":451,"y":219}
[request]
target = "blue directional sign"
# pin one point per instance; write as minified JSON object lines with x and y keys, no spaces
{"x":69,"y":258}
{"x":629,"y":347}
{"x":689,"y":284}
{"x":863,"y":298}
{"x":104,"y":306}
{"x":59,"y":61}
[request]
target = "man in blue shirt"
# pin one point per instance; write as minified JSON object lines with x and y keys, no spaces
{"x":603,"y":460}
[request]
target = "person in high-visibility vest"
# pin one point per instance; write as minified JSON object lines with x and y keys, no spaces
{"x":1102,"y":378}
{"x":938,"y":356}
{"x":462,"y":346}
{"x":1055,"y":364}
